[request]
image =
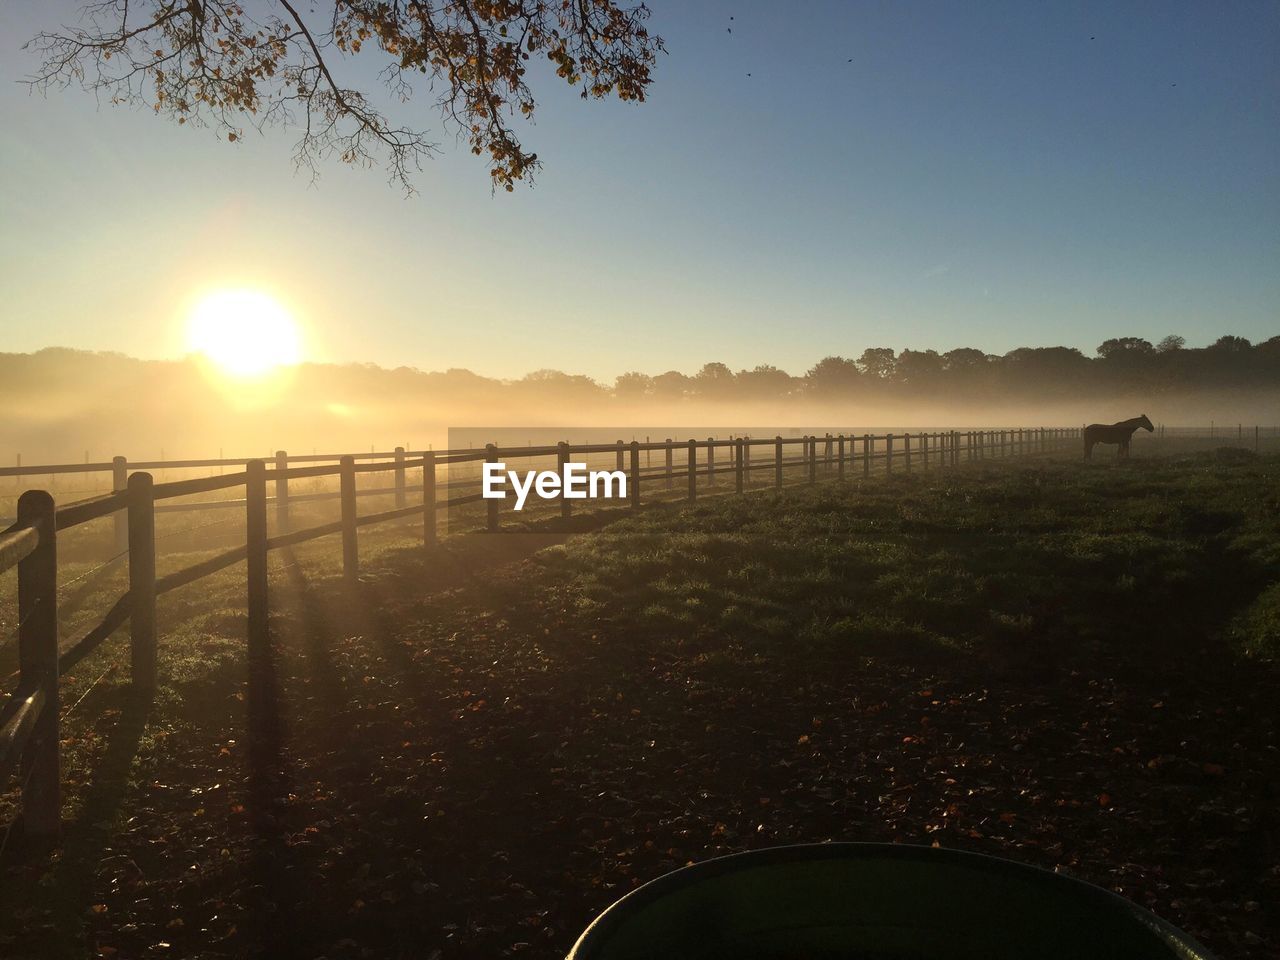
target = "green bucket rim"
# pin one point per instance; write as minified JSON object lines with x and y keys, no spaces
{"x":602,"y":927}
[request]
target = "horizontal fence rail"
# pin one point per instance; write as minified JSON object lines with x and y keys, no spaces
{"x":29,"y":735}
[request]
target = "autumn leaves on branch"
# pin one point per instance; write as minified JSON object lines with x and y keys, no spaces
{"x":228,"y":64}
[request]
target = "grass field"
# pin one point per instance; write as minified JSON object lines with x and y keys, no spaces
{"x":1069,"y":665}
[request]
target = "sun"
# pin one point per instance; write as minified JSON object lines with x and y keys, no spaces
{"x":244,"y":333}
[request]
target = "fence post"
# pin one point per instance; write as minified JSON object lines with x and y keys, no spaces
{"x":399,"y":475}
{"x":840,"y":457}
{"x":813,"y":458}
{"x":350,"y":545}
{"x":739,"y":466}
{"x":562,"y":459}
{"x":429,"y":499}
{"x":491,"y":512}
{"x":888,"y":454}
{"x":38,"y":660}
{"x":119,"y":479}
{"x":906,"y":453}
{"x":142,"y":583}
{"x":777,"y":461}
{"x":667,"y":448}
{"x":635,"y":473}
{"x":826,"y":455}
{"x":711,"y":461}
{"x":282,"y":492}
{"x":693,"y":470}
{"x":621,"y":458}
{"x":258,"y":653}
{"x":866,"y":456}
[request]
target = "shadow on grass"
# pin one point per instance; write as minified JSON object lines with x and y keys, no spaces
{"x":61,"y":893}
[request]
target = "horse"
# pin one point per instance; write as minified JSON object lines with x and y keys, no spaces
{"x":1118,"y":433}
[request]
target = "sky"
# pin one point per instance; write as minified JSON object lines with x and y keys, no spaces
{"x":911,"y":175}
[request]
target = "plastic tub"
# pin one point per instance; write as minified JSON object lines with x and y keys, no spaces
{"x":871,"y":901}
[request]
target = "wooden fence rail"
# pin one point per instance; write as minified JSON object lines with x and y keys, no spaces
{"x":29,"y":734}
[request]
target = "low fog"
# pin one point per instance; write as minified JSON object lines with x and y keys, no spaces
{"x":62,"y":405}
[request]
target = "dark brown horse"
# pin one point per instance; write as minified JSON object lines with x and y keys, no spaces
{"x":1118,"y":433}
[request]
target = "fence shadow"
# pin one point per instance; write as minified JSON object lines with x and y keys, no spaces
{"x":63,"y":895}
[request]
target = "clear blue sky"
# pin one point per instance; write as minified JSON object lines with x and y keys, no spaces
{"x":991,"y":175}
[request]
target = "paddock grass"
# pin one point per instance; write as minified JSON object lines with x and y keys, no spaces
{"x":1019,"y":564}
{"x":1071,"y":665}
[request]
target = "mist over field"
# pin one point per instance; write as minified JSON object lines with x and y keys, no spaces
{"x":62,"y":404}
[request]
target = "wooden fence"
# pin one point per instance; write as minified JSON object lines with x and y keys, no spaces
{"x":29,"y":721}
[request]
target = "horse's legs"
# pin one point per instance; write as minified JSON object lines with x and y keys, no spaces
{"x":1088,"y":449}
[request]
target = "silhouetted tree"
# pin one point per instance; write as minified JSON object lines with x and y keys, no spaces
{"x":672,"y":385}
{"x":633,"y":386}
{"x":1230,"y":344}
{"x":1170,"y":343}
{"x":963,"y":359}
{"x":557,"y":385}
{"x":918,"y":368}
{"x":1044,"y":371}
{"x":714,"y":380}
{"x":877,"y":362}
{"x":212,"y":62}
{"x":1125,"y":347}
{"x":764,"y":383}
{"x":832,"y":377}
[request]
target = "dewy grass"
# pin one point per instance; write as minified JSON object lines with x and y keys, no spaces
{"x":1056,"y":555}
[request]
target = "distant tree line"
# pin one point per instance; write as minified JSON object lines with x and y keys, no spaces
{"x":1122,"y":366}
